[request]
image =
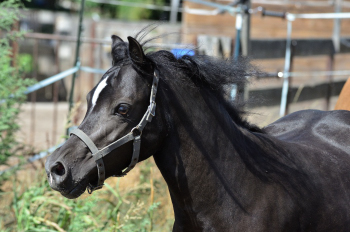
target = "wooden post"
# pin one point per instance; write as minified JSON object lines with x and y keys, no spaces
{"x":337,"y":26}
{"x":245,"y":40}
{"x":330,"y":81}
{"x":33,"y":95}
{"x":55,"y":99}
{"x":92,"y":53}
{"x":289,"y":96}
{"x":245,"y":35}
{"x":286,"y":76}
{"x":174,"y":11}
{"x":15,"y":27}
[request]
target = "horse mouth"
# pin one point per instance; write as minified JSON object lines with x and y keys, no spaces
{"x":77,"y":190}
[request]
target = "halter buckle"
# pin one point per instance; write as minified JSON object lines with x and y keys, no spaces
{"x":91,"y":188}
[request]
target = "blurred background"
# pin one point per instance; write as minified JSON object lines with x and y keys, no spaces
{"x":55,"y":51}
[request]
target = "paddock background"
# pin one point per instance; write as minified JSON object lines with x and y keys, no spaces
{"x":36,"y":119}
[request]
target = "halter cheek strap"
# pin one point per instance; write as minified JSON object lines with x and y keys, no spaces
{"x":134,"y":134}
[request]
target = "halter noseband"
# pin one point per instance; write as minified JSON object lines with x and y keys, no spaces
{"x":134,"y":134}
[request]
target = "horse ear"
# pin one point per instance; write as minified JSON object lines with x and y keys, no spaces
{"x":116,"y":39}
{"x":136,"y":51}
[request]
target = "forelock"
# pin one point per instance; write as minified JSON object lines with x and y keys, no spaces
{"x":119,"y":52}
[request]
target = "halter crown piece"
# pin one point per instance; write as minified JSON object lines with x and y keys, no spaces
{"x":134,"y":134}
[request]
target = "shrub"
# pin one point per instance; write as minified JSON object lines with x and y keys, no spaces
{"x":12,"y":84}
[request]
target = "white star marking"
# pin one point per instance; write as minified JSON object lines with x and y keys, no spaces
{"x":98,"y":90}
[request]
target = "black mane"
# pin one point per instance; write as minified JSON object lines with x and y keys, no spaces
{"x":213,"y":76}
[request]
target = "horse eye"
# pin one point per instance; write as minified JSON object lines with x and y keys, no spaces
{"x":122,"y":109}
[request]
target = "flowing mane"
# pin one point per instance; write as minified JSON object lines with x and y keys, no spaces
{"x":201,"y":71}
{"x":212,"y":76}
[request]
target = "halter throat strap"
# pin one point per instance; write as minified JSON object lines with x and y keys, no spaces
{"x":134,"y":135}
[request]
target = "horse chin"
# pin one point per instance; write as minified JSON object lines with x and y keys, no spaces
{"x":77,"y":190}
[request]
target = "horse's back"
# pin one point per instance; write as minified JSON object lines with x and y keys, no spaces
{"x":316,"y":137}
{"x":319,"y":141}
{"x":307,"y":125}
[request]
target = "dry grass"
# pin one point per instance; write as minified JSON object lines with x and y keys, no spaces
{"x":140,"y":199}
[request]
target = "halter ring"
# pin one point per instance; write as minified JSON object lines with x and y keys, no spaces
{"x":136,"y":131}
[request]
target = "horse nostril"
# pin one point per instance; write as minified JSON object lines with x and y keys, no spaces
{"x":58,"y":169}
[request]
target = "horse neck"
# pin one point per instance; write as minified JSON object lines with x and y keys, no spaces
{"x":200,"y":160}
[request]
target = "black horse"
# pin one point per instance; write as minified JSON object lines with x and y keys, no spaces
{"x":223,"y":173}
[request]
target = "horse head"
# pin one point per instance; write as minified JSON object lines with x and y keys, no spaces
{"x":108,"y":140}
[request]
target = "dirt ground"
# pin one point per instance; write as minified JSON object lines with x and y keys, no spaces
{"x":39,"y":128}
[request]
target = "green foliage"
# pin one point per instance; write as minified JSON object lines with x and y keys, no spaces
{"x":39,"y":208}
{"x":25,"y":61}
{"x":136,"y":13}
{"x":9,"y":12}
{"x":11,"y":83}
{"x":124,"y":12}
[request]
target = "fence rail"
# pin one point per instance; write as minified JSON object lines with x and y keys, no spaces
{"x":54,"y":80}
{"x":43,"y":36}
{"x":51,"y":80}
{"x":61,"y":75}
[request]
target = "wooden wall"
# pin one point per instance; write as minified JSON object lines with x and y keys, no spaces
{"x":261,"y":27}
{"x":270,"y":28}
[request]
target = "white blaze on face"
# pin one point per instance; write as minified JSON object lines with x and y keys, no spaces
{"x":98,"y":90}
{"x":50,"y":179}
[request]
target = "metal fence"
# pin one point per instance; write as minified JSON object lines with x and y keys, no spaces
{"x":97,"y":44}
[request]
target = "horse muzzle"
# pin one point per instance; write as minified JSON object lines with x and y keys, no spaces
{"x":60,"y":179}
